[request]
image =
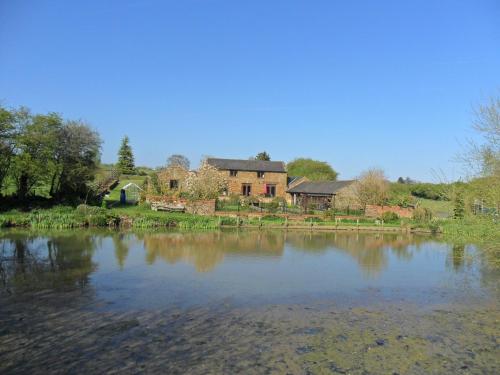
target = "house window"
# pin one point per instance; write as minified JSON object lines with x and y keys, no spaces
{"x":233,"y":173}
{"x":246,"y":189}
{"x":174,"y":184}
{"x":260,"y":174}
{"x":270,"y":191}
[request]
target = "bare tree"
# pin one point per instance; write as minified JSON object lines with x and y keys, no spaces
{"x":179,"y":161}
{"x":483,"y":158}
{"x":372,"y":187}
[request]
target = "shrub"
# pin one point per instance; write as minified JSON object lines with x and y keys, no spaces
{"x":84,"y":209}
{"x":422,"y":215}
{"x":389,"y":217}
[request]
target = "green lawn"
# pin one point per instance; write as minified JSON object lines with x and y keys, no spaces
{"x":114,"y":195}
{"x":441,"y":209}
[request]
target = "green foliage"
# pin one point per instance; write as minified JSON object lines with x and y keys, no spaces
{"x":47,"y":155}
{"x":7,"y":135}
{"x":263,"y":156}
{"x":422,"y":215}
{"x":390,"y":217}
{"x":312,"y":169}
{"x":400,"y":195}
{"x":458,"y":206}
{"x":126,"y":163}
{"x":429,"y":191}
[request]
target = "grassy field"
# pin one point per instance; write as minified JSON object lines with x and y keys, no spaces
{"x":440,"y":209}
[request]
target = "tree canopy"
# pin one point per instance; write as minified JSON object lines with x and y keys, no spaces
{"x":263,"y":156}
{"x":126,"y":163}
{"x":46,"y":152}
{"x":312,"y":169}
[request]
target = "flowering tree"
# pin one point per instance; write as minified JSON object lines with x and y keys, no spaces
{"x":206,"y":183}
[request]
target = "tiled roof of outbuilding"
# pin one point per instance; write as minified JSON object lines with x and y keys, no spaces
{"x":320,"y":187}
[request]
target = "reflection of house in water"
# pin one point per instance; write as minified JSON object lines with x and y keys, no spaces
{"x":206,"y":250}
{"x":370,"y":250}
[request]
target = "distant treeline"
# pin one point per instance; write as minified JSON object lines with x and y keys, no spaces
{"x":423,"y":190}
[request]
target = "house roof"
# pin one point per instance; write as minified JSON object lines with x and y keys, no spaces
{"x":320,"y":187}
{"x":248,"y":165}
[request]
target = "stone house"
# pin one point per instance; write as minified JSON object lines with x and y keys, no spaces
{"x":263,"y":179}
{"x":172,"y":179}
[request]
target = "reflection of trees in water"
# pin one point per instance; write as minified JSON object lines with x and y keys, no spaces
{"x":61,"y":261}
{"x":206,"y":250}
{"x":121,"y":245}
{"x":369,"y":250}
{"x":456,"y":257}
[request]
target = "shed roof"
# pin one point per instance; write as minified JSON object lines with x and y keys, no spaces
{"x":320,"y":187}
{"x":248,"y":165}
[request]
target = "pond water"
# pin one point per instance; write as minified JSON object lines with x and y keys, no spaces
{"x":245,"y":302}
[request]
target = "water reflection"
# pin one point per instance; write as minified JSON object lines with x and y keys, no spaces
{"x":58,"y":262}
{"x":206,"y":250}
{"x":66,"y":260}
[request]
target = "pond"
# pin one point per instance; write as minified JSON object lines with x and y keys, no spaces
{"x":226,"y":302}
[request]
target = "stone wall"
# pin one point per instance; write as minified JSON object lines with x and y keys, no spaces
{"x":200,"y":207}
{"x":378,"y":211}
{"x":205,"y":207}
{"x":258,"y":184}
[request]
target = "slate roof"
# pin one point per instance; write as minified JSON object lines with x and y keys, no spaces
{"x":248,"y":165}
{"x":320,"y":187}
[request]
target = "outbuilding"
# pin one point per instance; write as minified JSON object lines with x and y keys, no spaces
{"x":318,"y":194}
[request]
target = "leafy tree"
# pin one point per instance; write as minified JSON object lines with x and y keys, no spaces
{"x":372,"y":187}
{"x":76,"y":159}
{"x":458,"y":206}
{"x":126,"y":163}
{"x":7,"y":135}
{"x":35,"y":146}
{"x":178,"y":161}
{"x":263,"y":156}
{"x":312,"y":169}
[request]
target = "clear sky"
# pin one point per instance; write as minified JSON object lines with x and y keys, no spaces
{"x":355,"y":83}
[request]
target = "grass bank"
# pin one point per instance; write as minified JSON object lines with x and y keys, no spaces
{"x":68,"y":217}
{"x":141,"y":217}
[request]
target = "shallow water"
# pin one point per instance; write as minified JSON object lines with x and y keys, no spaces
{"x":245,"y":302}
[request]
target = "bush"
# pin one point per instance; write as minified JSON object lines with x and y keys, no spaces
{"x":84,"y":209}
{"x":389,"y":217}
{"x":422,"y":215}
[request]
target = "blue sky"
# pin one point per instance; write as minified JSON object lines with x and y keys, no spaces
{"x":390,"y":84}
